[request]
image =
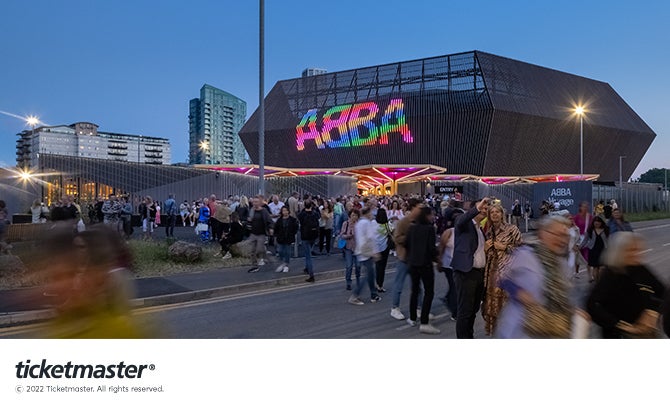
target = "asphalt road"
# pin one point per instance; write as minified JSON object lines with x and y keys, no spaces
{"x":321,"y":310}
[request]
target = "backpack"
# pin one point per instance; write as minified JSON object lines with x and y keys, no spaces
{"x":310,"y":225}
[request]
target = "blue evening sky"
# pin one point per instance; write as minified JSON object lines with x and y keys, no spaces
{"x":131,"y":66}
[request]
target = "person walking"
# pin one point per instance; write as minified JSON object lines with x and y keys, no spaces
{"x":400,"y":239}
{"x":285,"y":229}
{"x":618,"y":223}
{"x":170,"y":211}
{"x":421,"y":253}
{"x":309,"y":232}
{"x":260,"y":223}
{"x":538,"y":286}
{"x":597,"y":236}
{"x":348,"y":233}
{"x":366,"y":252}
{"x":627,"y":300}
{"x":384,"y":239}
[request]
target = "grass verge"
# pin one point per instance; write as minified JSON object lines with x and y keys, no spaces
{"x":647,"y":216}
{"x":150,"y":258}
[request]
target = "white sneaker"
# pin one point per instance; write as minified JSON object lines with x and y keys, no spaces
{"x":430,"y":315}
{"x":280,"y":268}
{"x":429,"y":329}
{"x":397,"y":314}
{"x":285,"y":270}
{"x":411,"y":322}
{"x":261,"y":262}
{"x":355,"y":301}
{"x":227,"y":256}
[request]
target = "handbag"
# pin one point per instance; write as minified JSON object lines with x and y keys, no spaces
{"x":390,"y":243}
{"x":540,"y":322}
{"x":341,"y":243}
{"x":201,"y":227}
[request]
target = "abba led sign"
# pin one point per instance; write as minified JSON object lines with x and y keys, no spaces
{"x":356,"y":124}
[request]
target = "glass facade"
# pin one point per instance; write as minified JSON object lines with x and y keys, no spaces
{"x":83,"y":139}
{"x":215,"y":120}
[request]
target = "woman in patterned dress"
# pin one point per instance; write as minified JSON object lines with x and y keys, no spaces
{"x":501,"y":239}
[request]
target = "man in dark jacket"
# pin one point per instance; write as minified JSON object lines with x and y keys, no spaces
{"x":309,"y":232}
{"x":468,"y":263}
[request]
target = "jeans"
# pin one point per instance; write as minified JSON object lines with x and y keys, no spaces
{"x":369,"y":266}
{"x":257,"y":248}
{"x":169,"y":225}
{"x":426,"y":275}
{"x":350,"y":262}
{"x":284,"y":252}
{"x":307,"y":249}
{"x":469,"y":291}
{"x":401,"y":271}
{"x":451,"y":299}
{"x":380,"y":266}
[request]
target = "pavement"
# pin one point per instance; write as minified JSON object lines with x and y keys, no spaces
{"x":28,"y":305}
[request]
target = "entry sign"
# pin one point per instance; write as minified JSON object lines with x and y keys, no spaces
{"x":567,"y":194}
{"x":448,"y":189}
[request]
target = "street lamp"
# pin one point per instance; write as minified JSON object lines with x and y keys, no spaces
{"x":33,"y":121}
{"x":579,"y":110}
{"x":204,"y":146}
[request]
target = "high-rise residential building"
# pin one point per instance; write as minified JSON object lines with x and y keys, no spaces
{"x":82,"y":139}
{"x":215,"y":120}
{"x":308,"y":72}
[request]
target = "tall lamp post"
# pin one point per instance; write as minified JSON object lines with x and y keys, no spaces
{"x":579,"y":110}
{"x":261,"y":95}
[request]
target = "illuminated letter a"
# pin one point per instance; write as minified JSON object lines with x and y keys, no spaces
{"x":309,"y":119}
{"x":397,"y":110}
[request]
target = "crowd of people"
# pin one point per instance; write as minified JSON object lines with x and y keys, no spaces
{"x":521,"y":289}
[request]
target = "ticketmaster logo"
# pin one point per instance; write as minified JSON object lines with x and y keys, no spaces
{"x":80,"y":371}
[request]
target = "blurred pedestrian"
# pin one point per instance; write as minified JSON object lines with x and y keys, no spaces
{"x":626,"y":302}
{"x":618,"y":223}
{"x":538,"y":287}
{"x":88,"y":273}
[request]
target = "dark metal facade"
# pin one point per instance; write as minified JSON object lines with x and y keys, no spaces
{"x":472,"y":113}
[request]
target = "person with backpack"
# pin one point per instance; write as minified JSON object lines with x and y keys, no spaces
{"x":309,"y":232}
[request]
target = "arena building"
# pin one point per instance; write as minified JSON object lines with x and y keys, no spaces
{"x":460,"y":116}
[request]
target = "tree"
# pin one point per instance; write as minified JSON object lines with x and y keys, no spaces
{"x":654,"y":176}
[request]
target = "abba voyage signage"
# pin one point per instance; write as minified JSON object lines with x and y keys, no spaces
{"x":567,"y":194}
{"x":354,"y":125}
